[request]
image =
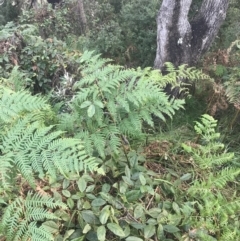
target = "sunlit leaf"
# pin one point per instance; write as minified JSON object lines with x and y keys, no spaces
{"x":186,"y":177}
{"x":133,"y":238}
{"x":87,"y":228}
{"x":116,"y":229}
{"x":98,"y":202}
{"x":170,"y":228}
{"x":101,"y":233}
{"x":149,"y":231}
{"x":91,"y":111}
{"x":81,"y":184}
{"x":85,"y":104}
{"x":104,"y":215}
{"x":66,"y":193}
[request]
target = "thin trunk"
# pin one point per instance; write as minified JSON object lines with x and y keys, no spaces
{"x":83,"y":19}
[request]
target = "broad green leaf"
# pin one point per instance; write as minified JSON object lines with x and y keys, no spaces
{"x":133,"y":195}
{"x":133,"y":238}
{"x":116,"y":229}
{"x":106,"y":187}
{"x":138,"y":225}
{"x":87,"y":228}
{"x":82,"y":238}
{"x":152,"y":221}
{"x":86,"y":205}
{"x":160,"y":232}
{"x":68,"y":234}
{"x":98,"y":202}
{"x":62,"y":214}
{"x":79,"y":204}
{"x":90,"y":188}
{"x":91,"y":111}
{"x":66,"y":193}
{"x":99,"y":103}
{"x":88,"y":216}
{"x":50,"y":226}
{"x":149,"y":231}
{"x":66,"y":183}
{"x":104,"y":215}
{"x":176,"y":207}
{"x":170,"y":228}
{"x":126,"y":230}
{"x":127,"y":172}
{"x":123,"y":187}
{"x":154,"y":212}
{"x":57,"y":196}
{"x":70,"y":203}
{"x":85,"y":104}
{"x":128,"y":181}
{"x":186,"y":177}
{"x":81,"y":184}
{"x":91,"y":236}
{"x":101,"y":233}
{"x":142,"y":179}
{"x":90,"y":196}
{"x":138,"y":211}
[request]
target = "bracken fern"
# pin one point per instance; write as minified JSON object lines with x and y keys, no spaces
{"x":218,"y":210}
{"x":111,"y":102}
{"x":22,"y":218}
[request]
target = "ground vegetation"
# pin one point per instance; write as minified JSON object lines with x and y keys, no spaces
{"x":91,"y":146}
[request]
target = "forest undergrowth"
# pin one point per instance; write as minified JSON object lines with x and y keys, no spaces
{"x":92,"y":150}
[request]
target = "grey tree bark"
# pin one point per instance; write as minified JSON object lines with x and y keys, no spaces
{"x":82,"y":16}
{"x":181,"y":41}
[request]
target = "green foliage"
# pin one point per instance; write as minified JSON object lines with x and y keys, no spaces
{"x":21,"y":218}
{"x":29,"y":146}
{"x":112,"y":109}
{"x":112,"y":102}
{"x":218,"y":210}
{"x":123,"y":30}
{"x":30,"y":149}
{"x":150,"y":186}
{"x":41,"y":63}
{"x":230,"y":30}
{"x":52,"y":23}
{"x":9,"y":11}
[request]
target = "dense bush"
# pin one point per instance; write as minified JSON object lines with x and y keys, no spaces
{"x":43,"y":62}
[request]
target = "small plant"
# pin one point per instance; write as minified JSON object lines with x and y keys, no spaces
{"x":218,"y":209}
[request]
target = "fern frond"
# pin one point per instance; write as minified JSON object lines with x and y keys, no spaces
{"x":21,"y":217}
{"x":122,"y":97}
{"x":232,"y":92}
{"x":29,"y":147}
{"x":6,"y":167}
{"x":224,"y":176}
{"x":14,"y":104}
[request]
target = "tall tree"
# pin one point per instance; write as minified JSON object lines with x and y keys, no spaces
{"x":184,"y":41}
{"x":82,"y":16}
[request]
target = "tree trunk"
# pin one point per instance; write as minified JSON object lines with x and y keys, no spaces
{"x":181,"y":41}
{"x":82,"y":16}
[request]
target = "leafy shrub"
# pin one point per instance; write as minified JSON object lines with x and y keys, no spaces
{"x":51,"y":23}
{"x":123,"y":31}
{"x":43,"y":62}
